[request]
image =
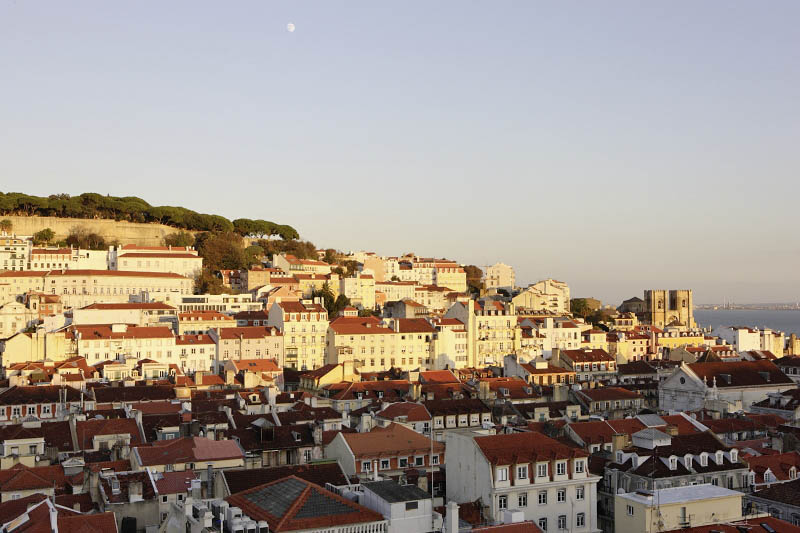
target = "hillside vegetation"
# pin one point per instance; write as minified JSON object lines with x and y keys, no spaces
{"x":133,"y":209}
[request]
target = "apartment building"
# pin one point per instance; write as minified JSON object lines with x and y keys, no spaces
{"x":79,"y":288}
{"x":293,"y":265}
{"x":360,"y":289}
{"x":14,"y":252}
{"x":491,"y":329}
{"x":545,"y":480}
{"x":549,"y":295}
{"x":588,"y":365}
{"x":304,"y":326}
{"x":185,"y":264}
{"x":499,"y":275}
{"x":248,"y":342}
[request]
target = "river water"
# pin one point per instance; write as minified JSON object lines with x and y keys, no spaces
{"x":720,"y":319}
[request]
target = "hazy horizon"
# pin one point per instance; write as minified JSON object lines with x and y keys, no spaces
{"x":617,"y":147}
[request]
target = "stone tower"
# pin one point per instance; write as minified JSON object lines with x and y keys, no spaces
{"x":669,"y":307}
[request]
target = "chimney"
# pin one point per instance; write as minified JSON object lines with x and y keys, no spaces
{"x":451,"y":519}
{"x":671,"y":430}
{"x":618,"y":441}
{"x":135,"y":491}
{"x":375,"y":476}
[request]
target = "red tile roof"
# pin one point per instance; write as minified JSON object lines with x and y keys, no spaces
{"x":355,"y":325}
{"x":603,"y":394}
{"x":742,"y":373}
{"x":438,"y":376}
{"x":188,"y":450}
{"x":174,"y":482}
{"x":778,"y":464}
{"x":528,"y":447}
{"x":752,"y":525}
{"x":306,"y":506}
{"x":414,"y":325}
{"x":392,"y":440}
{"x":587,"y":356}
{"x":412,"y":412}
{"x":88,"y":429}
{"x":132,"y":332}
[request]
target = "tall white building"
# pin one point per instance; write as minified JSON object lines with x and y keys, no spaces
{"x":529,"y":473}
{"x":499,"y":275}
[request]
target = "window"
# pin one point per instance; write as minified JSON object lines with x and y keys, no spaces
{"x":561,"y":468}
{"x":366,"y":466}
{"x":419,"y":461}
{"x":164,"y":499}
{"x":579,"y":492}
{"x":180,"y":497}
{"x":541,"y":470}
{"x":562,"y":521}
{"x":561,"y":495}
{"x":403,"y":462}
{"x":434,"y":459}
{"x":629,"y":509}
{"x":502,"y":502}
{"x":502,"y":474}
{"x":32,"y":449}
{"x":543,"y":524}
{"x":384,"y":464}
{"x":307,"y":456}
{"x":579,"y":467}
{"x":522,"y":472}
{"x":410,"y":506}
{"x":522,"y":499}
{"x":542,"y":497}
{"x":580,"y":520}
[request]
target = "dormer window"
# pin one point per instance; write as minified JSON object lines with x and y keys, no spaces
{"x":719,"y":457}
{"x":561,"y":468}
{"x":673,"y":463}
{"x":704,"y":459}
{"x":734,"y":455}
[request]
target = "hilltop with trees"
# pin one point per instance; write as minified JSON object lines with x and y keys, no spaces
{"x":133,"y":209}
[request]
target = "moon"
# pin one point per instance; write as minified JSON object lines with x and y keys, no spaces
{"x":290,"y":27}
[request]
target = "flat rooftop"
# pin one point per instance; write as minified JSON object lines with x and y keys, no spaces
{"x":689,"y":493}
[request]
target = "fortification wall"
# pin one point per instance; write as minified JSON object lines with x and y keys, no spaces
{"x":110,"y":230}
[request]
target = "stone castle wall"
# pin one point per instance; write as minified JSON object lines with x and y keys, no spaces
{"x":110,"y":230}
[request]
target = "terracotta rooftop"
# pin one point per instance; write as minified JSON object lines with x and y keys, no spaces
{"x":392,"y":440}
{"x":740,"y":373}
{"x":528,"y":447}
{"x":188,"y":450}
{"x":293,"y":504}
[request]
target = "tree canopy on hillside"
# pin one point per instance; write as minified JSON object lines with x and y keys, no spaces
{"x":132,"y":209}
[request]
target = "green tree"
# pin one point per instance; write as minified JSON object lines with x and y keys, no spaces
{"x":80,"y":237}
{"x":330,"y":256}
{"x":179,"y":239}
{"x":208,"y":283}
{"x":44,"y":236}
{"x":395,"y":278}
{"x":474,"y":279}
{"x":6,"y":225}
{"x":328,"y":299}
{"x":580,"y":307}
{"x":223,"y":250}
{"x":341,"y":302}
{"x":253,"y":255}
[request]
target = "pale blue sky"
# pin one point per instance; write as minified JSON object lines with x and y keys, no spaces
{"x":614,"y":145}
